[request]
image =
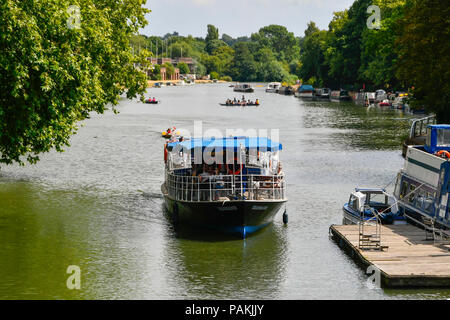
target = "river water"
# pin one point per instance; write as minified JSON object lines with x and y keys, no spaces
{"x":98,"y":205}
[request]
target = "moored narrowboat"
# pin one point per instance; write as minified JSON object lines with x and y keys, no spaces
{"x":423,"y":184}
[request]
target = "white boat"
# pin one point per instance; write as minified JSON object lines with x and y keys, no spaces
{"x":273,"y":87}
{"x":423,"y":184}
{"x":305,"y":91}
{"x":243,"y":88}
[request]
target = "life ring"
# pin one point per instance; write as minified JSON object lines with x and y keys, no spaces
{"x":443,"y":152}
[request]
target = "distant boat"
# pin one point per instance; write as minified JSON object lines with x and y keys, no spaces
{"x":288,"y":91}
{"x":273,"y":87}
{"x":151,"y":101}
{"x":243,"y":88}
{"x":322,"y":94}
{"x":305,"y":91}
{"x":380,"y":95}
{"x":340,"y":95}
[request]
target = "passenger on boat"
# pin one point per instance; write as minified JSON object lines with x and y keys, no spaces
{"x":257,"y":102}
{"x":153,"y":100}
{"x":219,"y":184}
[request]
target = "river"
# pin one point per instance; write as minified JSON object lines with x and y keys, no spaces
{"x":98,"y":205}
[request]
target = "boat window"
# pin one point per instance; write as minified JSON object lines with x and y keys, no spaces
{"x":420,"y":199}
{"x":353,"y":203}
{"x":428,"y":206}
{"x":412,"y":195}
{"x":443,"y":138}
{"x":404,"y":189}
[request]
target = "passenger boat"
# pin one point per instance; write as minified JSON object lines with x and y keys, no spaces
{"x":233,"y":185}
{"x":340,"y":95}
{"x":273,"y":87}
{"x":243,"y":88}
{"x":423,"y":184}
{"x":305,"y":91}
{"x":369,"y":204}
{"x":239,"y":105}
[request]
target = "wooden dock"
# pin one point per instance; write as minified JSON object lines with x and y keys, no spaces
{"x":410,"y":261}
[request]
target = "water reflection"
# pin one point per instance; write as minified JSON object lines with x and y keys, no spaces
{"x":360,"y":128}
{"x":216,"y":268}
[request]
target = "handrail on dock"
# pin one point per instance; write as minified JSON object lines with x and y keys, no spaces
{"x":419,"y":126}
{"x":225,"y":187}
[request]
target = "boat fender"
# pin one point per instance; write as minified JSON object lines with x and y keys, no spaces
{"x":285,"y":217}
{"x":165,"y":153}
{"x":443,"y":154}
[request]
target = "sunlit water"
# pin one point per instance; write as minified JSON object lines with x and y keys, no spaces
{"x":98,"y":206}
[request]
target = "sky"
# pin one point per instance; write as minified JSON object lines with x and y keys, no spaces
{"x":237,"y":17}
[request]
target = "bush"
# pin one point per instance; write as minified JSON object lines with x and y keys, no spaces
{"x":214,"y":75}
{"x":226,"y":78}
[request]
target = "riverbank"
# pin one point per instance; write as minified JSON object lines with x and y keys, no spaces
{"x":151,"y":83}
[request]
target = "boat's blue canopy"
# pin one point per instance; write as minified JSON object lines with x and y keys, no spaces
{"x":439,"y":138}
{"x":259,"y":143}
{"x":306,"y":87}
{"x":440,"y":126}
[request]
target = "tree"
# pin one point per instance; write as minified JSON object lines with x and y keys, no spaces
{"x":56,"y":68}
{"x":423,"y":50}
{"x":244,"y":67}
{"x":378,"y":55}
{"x":282,"y":42}
{"x":212,"y":35}
{"x":313,"y":55}
{"x":184,"y":68}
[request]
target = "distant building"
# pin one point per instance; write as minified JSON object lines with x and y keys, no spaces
{"x":173,"y":77}
{"x":189,"y":61}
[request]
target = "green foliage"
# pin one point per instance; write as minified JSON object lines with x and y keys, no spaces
{"x":214,"y":75}
{"x":424,"y":59}
{"x":226,"y":78}
{"x":212,"y":38}
{"x":184,"y":68}
{"x":170,"y":69}
{"x":53,"y":76}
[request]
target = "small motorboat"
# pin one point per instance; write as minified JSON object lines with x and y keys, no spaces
{"x":385,"y":103}
{"x":151,"y":101}
{"x":170,"y":133}
{"x":372,"y":204}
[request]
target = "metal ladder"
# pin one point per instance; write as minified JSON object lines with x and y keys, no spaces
{"x":370,"y":240}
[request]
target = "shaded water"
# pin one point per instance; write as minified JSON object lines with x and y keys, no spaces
{"x":98,"y":206}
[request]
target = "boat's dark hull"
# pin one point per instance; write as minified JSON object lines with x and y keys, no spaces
{"x":244,"y":90}
{"x":238,"y":217}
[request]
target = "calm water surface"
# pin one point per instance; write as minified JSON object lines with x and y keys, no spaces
{"x":98,"y":206}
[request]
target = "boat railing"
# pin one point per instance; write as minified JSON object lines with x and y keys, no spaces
{"x":419,"y":126}
{"x":225,"y":187}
